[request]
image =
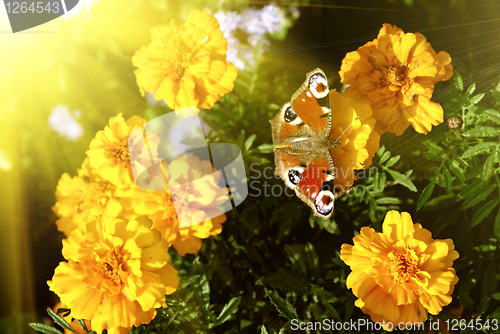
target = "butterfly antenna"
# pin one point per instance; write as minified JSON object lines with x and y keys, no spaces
{"x":347,"y":128}
{"x":362,"y":164}
{"x":359,"y":162}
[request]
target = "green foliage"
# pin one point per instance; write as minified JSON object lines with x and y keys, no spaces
{"x":46,"y":329}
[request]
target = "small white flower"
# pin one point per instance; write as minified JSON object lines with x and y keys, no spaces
{"x":273,"y":18}
{"x":228,"y":21}
{"x":243,"y":31}
{"x":64,"y":122}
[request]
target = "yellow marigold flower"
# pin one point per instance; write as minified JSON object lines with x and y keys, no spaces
{"x":117,"y":273}
{"x":84,"y":195}
{"x":109,"y":152}
{"x":186,"y":66}
{"x":359,"y":141}
{"x":74,"y":324}
{"x":396,"y":74}
{"x":158,"y":205}
{"x":401,"y":274}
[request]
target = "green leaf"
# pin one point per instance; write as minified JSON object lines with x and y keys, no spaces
{"x":388,"y":200}
{"x":285,"y":328}
{"x":249,"y":141}
{"x":312,"y":261}
{"x":465,"y":300}
{"x":496,"y":95}
{"x":59,"y":320}
{"x":329,"y":225}
{"x":482,"y":131}
{"x":331,"y":310}
{"x":491,"y":114}
{"x":273,"y":106}
{"x":488,"y":166}
{"x":349,"y":310}
{"x":264,"y":148}
{"x":65,"y":312}
{"x":376,"y":181}
{"x":496,"y":296}
{"x":426,"y":194}
{"x":263,"y":330}
{"x":381,"y":151}
{"x":478,"y":149}
{"x":82,"y":324}
{"x":457,"y":170}
{"x":471,"y":88}
{"x":385,"y":156}
{"x":392,"y":161}
{"x":296,"y":258}
{"x":201,"y":291}
{"x":383,"y":180}
{"x":403,"y":180}
{"x":476,"y":98}
{"x":284,"y":308}
{"x":447,"y":180}
{"x":227,"y":312}
{"x":241,"y":138}
{"x":496,"y":229}
{"x":434,"y":148}
{"x":46,"y":329}
{"x":459,"y":84}
{"x":484,"y":212}
{"x":477,"y":197}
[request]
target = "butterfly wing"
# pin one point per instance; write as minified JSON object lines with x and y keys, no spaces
{"x":308,"y":113}
{"x":300,"y":132}
{"x":310,"y":175}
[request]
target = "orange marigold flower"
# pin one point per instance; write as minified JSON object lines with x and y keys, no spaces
{"x":117,"y":273}
{"x":84,"y":195}
{"x":158,"y":205}
{"x":186,"y":66}
{"x":354,"y":126}
{"x":396,"y":74}
{"x":109,"y":151}
{"x":401,"y":274}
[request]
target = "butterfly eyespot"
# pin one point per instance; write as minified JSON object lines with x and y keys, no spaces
{"x":318,"y":85}
{"x":290,"y":115}
{"x":324,"y":202}
{"x":294,"y":176}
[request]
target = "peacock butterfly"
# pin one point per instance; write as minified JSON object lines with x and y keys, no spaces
{"x":302,"y":143}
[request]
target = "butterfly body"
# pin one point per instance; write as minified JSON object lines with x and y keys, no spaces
{"x":301,"y":136}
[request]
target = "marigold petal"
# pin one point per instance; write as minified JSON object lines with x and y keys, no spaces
{"x":423,"y":66}
{"x":380,"y":302}
{"x":440,"y":282}
{"x":352,"y":65}
{"x":361,"y":283}
{"x":168,"y":277}
{"x":404,"y":47}
{"x":396,"y":226}
{"x":189,"y":245}
{"x":155,"y":256}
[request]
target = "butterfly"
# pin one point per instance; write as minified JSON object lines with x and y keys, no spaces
{"x":302,"y":143}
